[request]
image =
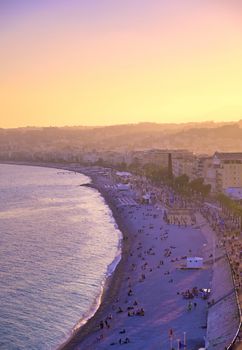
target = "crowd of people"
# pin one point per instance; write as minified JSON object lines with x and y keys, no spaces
{"x":228,"y":230}
{"x":139,"y":265}
{"x":227,"y":226}
{"x":195,"y":293}
{"x":139,"y":255}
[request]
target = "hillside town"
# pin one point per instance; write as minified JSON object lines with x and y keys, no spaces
{"x":118,"y":143}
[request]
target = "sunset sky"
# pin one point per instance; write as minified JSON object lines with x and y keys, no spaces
{"x":100,"y":62}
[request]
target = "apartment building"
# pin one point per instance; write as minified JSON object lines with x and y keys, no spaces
{"x":229,"y":173}
{"x":183,"y":163}
{"x":156,"y":156}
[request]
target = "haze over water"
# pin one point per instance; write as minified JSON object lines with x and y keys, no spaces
{"x":57,"y":240}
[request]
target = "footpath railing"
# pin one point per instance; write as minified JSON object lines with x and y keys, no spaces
{"x":234,"y":340}
{"x":222,"y":298}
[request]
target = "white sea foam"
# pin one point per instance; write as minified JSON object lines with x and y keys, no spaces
{"x":109,"y":272}
{"x":52,"y":264}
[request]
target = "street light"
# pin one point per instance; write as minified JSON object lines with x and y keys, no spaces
{"x":184,"y":340}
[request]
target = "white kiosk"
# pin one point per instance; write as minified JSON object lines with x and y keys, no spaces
{"x":194,"y":262}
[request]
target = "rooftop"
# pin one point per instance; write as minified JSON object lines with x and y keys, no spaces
{"x":228,"y":155}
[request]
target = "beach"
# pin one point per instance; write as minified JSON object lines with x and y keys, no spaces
{"x":143,"y":305}
{"x":152,"y":301}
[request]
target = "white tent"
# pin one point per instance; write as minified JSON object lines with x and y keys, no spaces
{"x":194,"y":262}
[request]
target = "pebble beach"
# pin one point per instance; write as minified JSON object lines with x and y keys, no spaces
{"x":145,"y":304}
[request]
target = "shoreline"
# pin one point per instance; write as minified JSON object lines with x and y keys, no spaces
{"x":112,"y":282}
{"x":86,"y":336}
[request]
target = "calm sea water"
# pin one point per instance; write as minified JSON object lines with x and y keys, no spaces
{"x":58,"y":241}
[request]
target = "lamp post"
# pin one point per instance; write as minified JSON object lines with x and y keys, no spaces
{"x":171,"y":343}
{"x":214,"y":249}
{"x":184,"y":340}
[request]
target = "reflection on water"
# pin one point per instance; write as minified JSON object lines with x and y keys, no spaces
{"x":57,"y":239}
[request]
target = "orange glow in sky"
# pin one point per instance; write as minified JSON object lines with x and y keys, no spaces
{"x":117,"y":61}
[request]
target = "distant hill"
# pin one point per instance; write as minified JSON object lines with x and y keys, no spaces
{"x":206,"y":137}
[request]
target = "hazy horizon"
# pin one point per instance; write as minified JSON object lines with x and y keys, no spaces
{"x":106,"y":63}
{"x":126,"y":124}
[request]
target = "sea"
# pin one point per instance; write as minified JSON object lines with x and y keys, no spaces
{"x":58,"y":244}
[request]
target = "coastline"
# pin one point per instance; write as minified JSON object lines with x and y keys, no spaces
{"x":86,"y":336}
{"x":112,"y":282}
{"x":116,"y":285}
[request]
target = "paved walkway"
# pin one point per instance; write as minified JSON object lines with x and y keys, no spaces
{"x":223,"y":316}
